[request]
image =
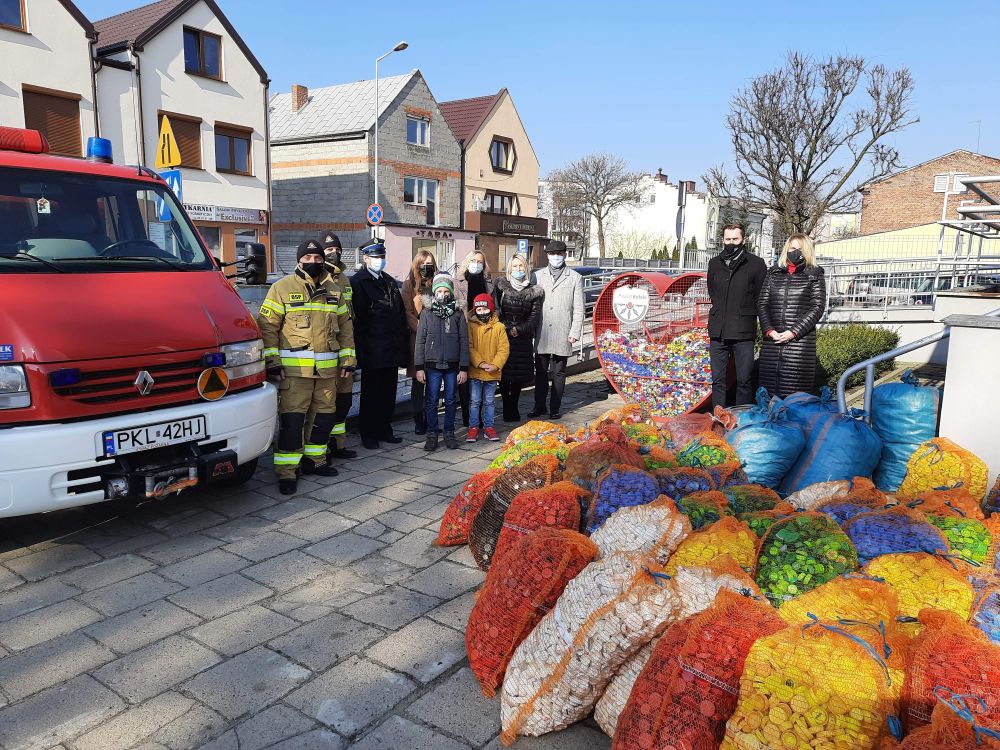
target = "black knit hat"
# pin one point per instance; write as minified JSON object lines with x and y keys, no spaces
{"x":556,"y":246}
{"x":331,"y":240}
{"x":308,"y":247}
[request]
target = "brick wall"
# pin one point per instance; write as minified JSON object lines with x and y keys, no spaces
{"x":908,"y":199}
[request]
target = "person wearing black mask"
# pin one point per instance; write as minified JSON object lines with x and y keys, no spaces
{"x":305,"y":354}
{"x":472,"y":279}
{"x":735,"y":277}
{"x":416,"y":297}
{"x":790,"y":305}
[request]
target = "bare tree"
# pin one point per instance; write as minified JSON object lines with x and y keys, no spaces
{"x":598,"y":184}
{"x":569,"y":221}
{"x":802,"y":133}
{"x":636,"y":244}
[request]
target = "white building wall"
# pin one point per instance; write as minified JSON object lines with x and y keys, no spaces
{"x":116,"y":104}
{"x":54,"y":54}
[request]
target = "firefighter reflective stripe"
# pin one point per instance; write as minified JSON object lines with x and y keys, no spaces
{"x":339,"y":429}
{"x":320,"y":307}
{"x":348,"y":352}
{"x":343,"y":310}
{"x":269,"y":304}
{"x":349,"y":293}
{"x":312,"y":450}
{"x":287,"y":459}
{"x":272,"y":352}
{"x":308,"y":358}
{"x":327,"y":360}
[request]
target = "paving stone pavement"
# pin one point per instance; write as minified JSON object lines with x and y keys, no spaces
{"x":241,"y":620}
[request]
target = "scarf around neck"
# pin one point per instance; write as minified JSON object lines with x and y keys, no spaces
{"x":519,"y":286}
{"x":443,"y":310}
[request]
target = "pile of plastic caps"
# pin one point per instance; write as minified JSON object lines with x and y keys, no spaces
{"x":667,"y":377}
{"x":884,"y":624}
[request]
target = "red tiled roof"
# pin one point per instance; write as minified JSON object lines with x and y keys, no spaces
{"x":466,"y":116}
{"x":127,"y":26}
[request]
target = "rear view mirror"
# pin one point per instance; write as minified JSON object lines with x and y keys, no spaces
{"x":256,"y":264}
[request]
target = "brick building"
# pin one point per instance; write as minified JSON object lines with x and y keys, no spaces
{"x":323,"y":155}
{"x":915,"y":196}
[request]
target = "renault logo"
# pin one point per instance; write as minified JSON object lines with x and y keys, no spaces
{"x":144,"y":383}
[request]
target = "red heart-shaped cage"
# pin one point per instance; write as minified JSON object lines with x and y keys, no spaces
{"x":657,"y":356}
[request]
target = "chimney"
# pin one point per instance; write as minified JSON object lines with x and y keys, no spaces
{"x":660,"y":177}
{"x":690,"y":187}
{"x":300,"y":95}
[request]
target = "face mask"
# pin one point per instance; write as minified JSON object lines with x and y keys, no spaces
{"x":313,"y":269}
{"x":731,"y":249}
{"x":796,"y":257}
{"x":377,"y":264}
{"x":556,"y":261}
{"x":519,"y":275}
{"x":426,"y":271}
{"x":333,"y":257}
{"x":484,"y":317}
{"x":475,"y":267}
{"x":443,"y":296}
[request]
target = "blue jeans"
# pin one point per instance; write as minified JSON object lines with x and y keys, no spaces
{"x":434,"y":379}
{"x":482,"y":395}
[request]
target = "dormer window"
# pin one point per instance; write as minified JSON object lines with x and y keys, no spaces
{"x":502,"y":154}
{"x":418,"y":131}
{"x":202,"y":53}
{"x":12,"y":14}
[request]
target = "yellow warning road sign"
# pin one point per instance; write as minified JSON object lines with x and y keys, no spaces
{"x":213,"y":384}
{"x":167,"y":153}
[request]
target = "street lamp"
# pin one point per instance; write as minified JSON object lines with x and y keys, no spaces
{"x":398,"y":48}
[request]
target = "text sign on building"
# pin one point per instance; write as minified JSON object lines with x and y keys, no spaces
{"x":630,"y":303}
{"x":227,"y":214}
{"x":511,"y":226}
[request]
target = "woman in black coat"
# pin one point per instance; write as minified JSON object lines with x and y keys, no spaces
{"x":519,"y":305}
{"x":790,"y":305}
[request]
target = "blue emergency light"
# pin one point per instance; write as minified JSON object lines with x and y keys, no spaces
{"x":216,"y":359}
{"x":64,"y":377}
{"x":99,"y":149}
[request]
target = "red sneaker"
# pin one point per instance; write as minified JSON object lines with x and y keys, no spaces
{"x":473,"y":434}
{"x":491,"y":434}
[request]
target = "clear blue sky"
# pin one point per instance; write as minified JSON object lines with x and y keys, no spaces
{"x":649,"y":81}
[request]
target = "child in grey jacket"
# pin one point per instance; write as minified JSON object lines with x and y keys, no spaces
{"x":441,"y":357}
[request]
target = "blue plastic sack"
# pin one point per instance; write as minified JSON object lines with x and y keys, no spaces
{"x":768,"y":449}
{"x":839,"y":447}
{"x":752,"y":413}
{"x":904,"y":415}
{"x":806,"y":409}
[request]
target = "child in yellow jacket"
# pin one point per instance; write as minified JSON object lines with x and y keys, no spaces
{"x":488,"y":351}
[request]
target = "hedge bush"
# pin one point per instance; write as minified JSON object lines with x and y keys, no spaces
{"x":841,"y":346}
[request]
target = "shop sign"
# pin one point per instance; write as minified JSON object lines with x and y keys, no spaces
{"x":436,"y":234}
{"x":201,"y":212}
{"x":513,"y":226}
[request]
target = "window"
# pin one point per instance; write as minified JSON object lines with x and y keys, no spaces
{"x":958,"y":185}
{"x":202,"y":53}
{"x":501,"y":203}
{"x":502,"y":154}
{"x":57,"y":116}
{"x":940,"y":183}
{"x":187,"y":132}
{"x":418,"y":131}
{"x":212,"y":237}
{"x":652,"y":198}
{"x":232,"y":149}
{"x":12,"y":14}
{"x":419,"y":191}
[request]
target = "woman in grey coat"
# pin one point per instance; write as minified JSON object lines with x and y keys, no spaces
{"x":560,"y":328}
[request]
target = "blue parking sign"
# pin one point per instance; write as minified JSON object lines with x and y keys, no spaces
{"x":173,"y":179}
{"x":522,"y":247}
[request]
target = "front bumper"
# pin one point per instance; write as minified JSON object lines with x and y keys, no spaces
{"x":54,"y":466}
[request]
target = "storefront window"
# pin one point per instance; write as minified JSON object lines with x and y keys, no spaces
{"x":442,"y":250}
{"x":243,"y":238}
{"x":213,"y":240}
{"x":506,"y":253}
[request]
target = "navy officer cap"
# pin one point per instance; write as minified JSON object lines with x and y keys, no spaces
{"x":372,"y":247}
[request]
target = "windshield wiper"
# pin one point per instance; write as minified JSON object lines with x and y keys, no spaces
{"x":21,"y":255}
{"x":106,"y":258}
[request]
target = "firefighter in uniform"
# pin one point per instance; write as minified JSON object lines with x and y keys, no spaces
{"x":299,"y":322}
{"x":345,"y":386}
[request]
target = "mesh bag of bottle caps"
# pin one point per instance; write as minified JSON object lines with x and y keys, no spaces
{"x":462,"y":511}
{"x":656,"y":457}
{"x":707,"y":449}
{"x":521,"y":451}
{"x":800,"y":553}
{"x":808,"y":498}
{"x":641,"y":434}
{"x":848,"y":597}
{"x":941,"y":463}
{"x":992,"y":502}
{"x":762,"y":520}
{"x":923,"y":581}
{"x":842,"y":510}
{"x":955,"y":725}
{"x":678,"y":483}
{"x":726,"y":536}
{"x":819,"y":685}
{"x":945,"y":500}
{"x":951,"y":654}
{"x":588,"y":459}
{"x":698,"y":690}
{"x":728,"y":474}
{"x":684,"y":428}
{"x":654,"y":529}
{"x":556,"y":506}
{"x":704,"y":508}
{"x":986,"y":607}
{"x":607,"y":613}
{"x":534,"y":430}
{"x":627,"y":414}
{"x":609,"y":706}
{"x":619,"y":486}
{"x":749,"y":498}
{"x":540,"y":471}
{"x":892,"y":530}
{"x":518,"y":591}
{"x":969,"y":539}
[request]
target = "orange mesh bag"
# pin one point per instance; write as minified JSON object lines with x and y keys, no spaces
{"x":724,"y":537}
{"x":534,"y":430}
{"x":944,"y":500}
{"x":704,"y":508}
{"x":612,"y":701}
{"x":468,"y":502}
{"x":686,"y":427}
{"x":847,"y":597}
{"x":941,"y":463}
{"x":707,"y":450}
{"x":954,"y":726}
{"x":816,"y":494}
{"x":992,"y":502}
{"x":818,"y":685}
{"x":619,"y":486}
{"x":656,"y":457}
{"x":528,"y":448}
{"x":701,"y":689}
{"x":588,"y":459}
{"x":956,"y":656}
{"x":518,"y":591}
{"x":923,"y":581}
{"x":728,"y":474}
{"x":762,"y":520}
{"x":750,"y":498}
{"x":894,"y":530}
{"x":556,"y":506}
{"x":986,"y":609}
{"x":540,"y":471}
{"x":863,"y":490}
{"x":642,"y":435}
{"x":682,"y":481}
{"x":654,"y":529}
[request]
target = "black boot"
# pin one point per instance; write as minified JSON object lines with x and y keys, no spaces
{"x":287,"y":486}
{"x":308,"y":467}
{"x":335,"y":452}
{"x":450,"y":441}
{"x":431,"y":443}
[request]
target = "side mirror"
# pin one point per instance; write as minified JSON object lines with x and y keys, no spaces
{"x":256,"y":264}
